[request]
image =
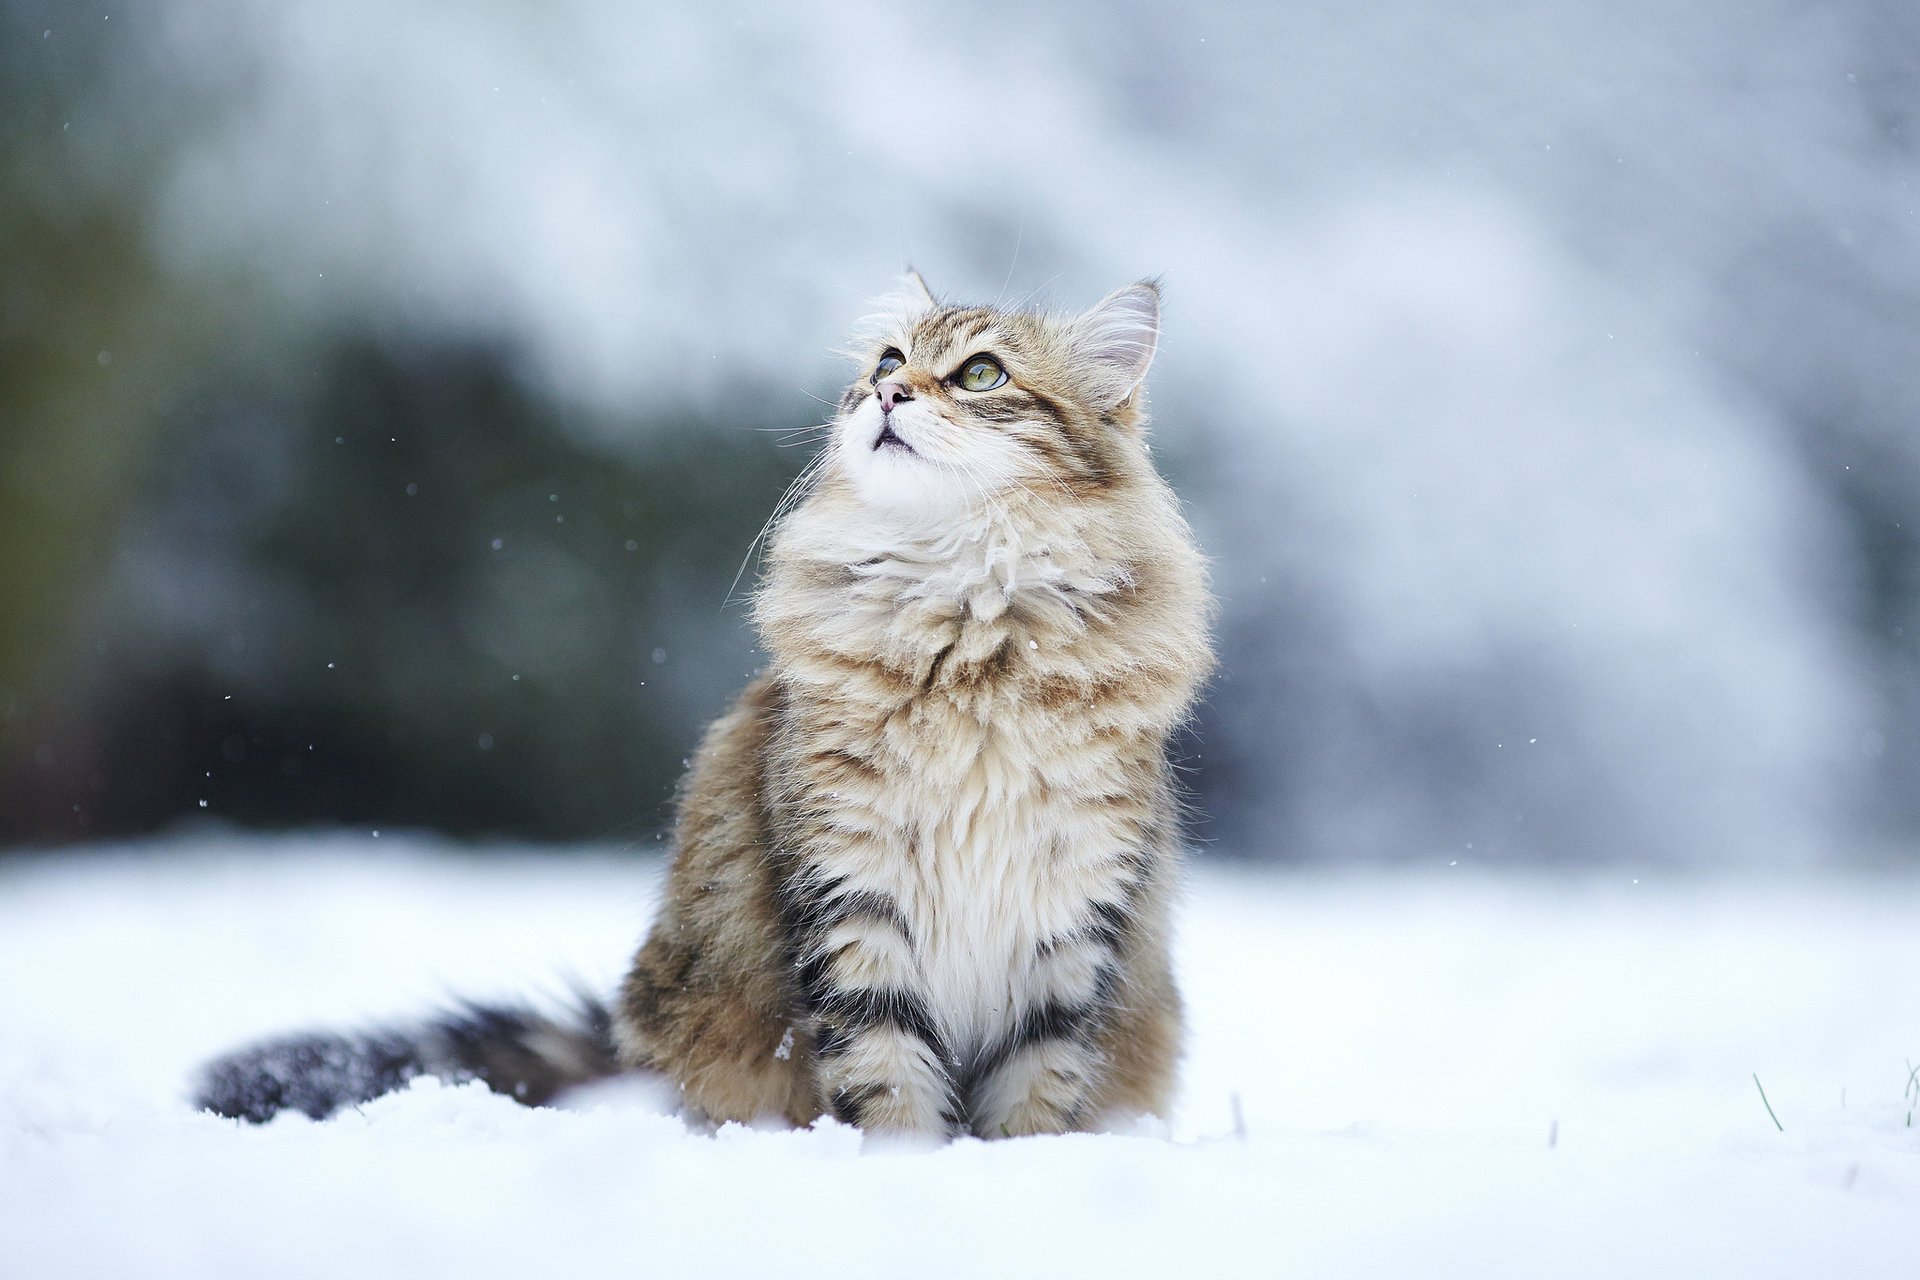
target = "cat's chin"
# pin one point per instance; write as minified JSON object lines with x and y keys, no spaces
{"x":905,"y":488}
{"x":898,"y":481}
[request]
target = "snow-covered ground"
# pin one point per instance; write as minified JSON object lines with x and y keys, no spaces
{"x":1437,"y":1074}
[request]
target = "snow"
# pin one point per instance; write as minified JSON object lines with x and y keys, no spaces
{"x":1439,"y":1073}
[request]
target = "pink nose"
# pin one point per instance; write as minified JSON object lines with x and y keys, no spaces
{"x":891,"y":394}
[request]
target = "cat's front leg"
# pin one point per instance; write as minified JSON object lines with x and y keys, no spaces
{"x":880,"y":1060}
{"x":1046,"y":1072}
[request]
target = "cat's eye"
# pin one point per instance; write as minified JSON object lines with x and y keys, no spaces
{"x":889,"y":362}
{"x":981,"y":373}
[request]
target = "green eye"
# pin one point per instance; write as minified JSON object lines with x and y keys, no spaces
{"x":981,"y":373}
{"x":888,"y":363}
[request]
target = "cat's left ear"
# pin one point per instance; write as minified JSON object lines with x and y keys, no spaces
{"x":914,"y":286}
{"x":894,"y":314}
{"x":1116,"y":340}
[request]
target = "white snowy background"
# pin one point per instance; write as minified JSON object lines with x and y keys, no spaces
{"x":1436,"y":1074}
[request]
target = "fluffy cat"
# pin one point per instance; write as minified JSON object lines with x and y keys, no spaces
{"x":925,"y":866}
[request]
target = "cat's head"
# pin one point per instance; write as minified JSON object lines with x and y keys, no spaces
{"x":956,"y":405}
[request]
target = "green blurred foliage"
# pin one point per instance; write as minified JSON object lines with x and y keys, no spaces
{"x":81,"y":355}
{"x":397,"y":592}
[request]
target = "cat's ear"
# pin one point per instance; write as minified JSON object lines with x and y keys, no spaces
{"x":1116,"y":340}
{"x":914,"y":287}
{"x":894,"y":314}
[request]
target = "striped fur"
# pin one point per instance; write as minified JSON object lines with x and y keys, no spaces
{"x":527,"y":1055}
{"x":925,"y":866}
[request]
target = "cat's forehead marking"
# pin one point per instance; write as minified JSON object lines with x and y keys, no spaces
{"x":941,"y":332}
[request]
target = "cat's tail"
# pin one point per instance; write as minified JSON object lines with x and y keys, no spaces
{"x":526,"y":1055}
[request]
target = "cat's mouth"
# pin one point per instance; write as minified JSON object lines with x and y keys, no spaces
{"x":887,"y":439}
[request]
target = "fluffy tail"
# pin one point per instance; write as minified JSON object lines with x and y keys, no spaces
{"x":527,"y":1056}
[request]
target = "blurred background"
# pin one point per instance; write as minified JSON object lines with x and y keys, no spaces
{"x":390,"y":393}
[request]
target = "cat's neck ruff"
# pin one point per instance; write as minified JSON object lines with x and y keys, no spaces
{"x":996,"y":550}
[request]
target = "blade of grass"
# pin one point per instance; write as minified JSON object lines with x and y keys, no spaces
{"x":1768,"y":1105}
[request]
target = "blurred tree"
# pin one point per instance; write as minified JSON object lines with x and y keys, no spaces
{"x":396,"y":591}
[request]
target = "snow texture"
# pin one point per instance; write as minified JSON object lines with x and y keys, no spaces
{"x":1412,"y":1074}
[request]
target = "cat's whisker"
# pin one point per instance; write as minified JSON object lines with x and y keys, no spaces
{"x":1036,"y":291}
{"x":787,"y":501}
{"x":818,"y":432}
{"x":1019,"y":230}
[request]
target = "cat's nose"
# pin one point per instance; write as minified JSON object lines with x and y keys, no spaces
{"x":891,"y":394}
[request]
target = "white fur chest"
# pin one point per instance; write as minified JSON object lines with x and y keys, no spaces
{"x":984,"y":818}
{"x":990,"y":861}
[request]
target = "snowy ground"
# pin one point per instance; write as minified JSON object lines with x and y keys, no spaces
{"x":1438,"y":1075}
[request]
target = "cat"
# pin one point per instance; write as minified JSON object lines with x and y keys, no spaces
{"x":925,"y":866}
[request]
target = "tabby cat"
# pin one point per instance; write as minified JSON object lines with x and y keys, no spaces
{"x":925,"y":866}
